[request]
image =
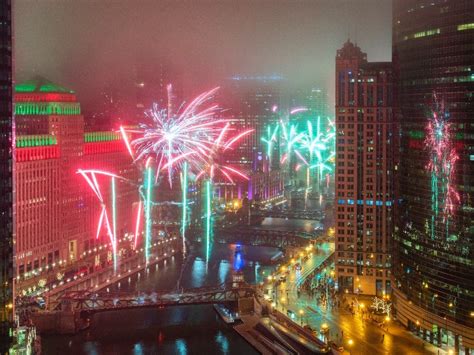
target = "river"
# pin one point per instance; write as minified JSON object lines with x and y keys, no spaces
{"x":176,"y":330}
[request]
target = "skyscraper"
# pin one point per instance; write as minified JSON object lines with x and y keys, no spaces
{"x":433,"y":246}
{"x":252,"y":101}
{"x":364,"y":172}
{"x":6,"y":168}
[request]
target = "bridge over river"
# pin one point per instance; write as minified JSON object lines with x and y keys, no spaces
{"x":106,"y":301}
{"x":258,"y":236}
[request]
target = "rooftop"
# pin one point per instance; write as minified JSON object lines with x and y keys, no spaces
{"x":41,"y":85}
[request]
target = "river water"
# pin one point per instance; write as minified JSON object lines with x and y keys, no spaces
{"x":176,"y":330}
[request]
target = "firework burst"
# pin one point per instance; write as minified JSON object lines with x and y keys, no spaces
{"x":443,"y":158}
{"x":170,"y":137}
{"x":212,"y":163}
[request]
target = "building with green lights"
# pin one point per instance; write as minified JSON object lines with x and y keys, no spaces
{"x":56,"y":213}
{"x":433,"y":252}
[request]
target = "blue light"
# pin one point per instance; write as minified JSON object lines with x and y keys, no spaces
{"x":238,"y":261}
{"x":369,"y":202}
{"x":350,"y":202}
{"x":341,"y":202}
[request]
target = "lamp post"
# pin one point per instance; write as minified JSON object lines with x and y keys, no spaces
{"x":350,"y":343}
{"x":301,"y":312}
{"x":325,"y":331}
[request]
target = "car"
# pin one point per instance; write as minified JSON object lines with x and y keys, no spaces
{"x":41,"y":302}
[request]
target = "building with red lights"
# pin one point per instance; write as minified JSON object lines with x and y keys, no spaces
{"x":56,"y":213}
{"x":364,"y":172}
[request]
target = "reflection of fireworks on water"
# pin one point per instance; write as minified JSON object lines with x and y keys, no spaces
{"x":443,"y":158}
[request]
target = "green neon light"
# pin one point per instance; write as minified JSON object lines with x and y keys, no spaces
{"x":106,"y":136}
{"x":35,"y":141}
{"x":47,"y":108}
{"x":416,"y":134}
{"x":149,"y":187}
{"x":423,"y":34}
{"x":41,"y":85}
{"x":466,"y":26}
{"x":25,"y":87}
{"x":184,"y":189}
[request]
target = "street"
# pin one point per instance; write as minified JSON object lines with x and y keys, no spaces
{"x":355,"y":332}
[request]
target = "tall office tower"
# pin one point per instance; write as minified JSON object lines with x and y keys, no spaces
{"x":6,"y":168}
{"x":364,"y":172}
{"x":252,"y":102}
{"x":433,"y":270}
{"x":253,"y":99}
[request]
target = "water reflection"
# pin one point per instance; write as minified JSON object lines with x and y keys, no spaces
{"x":181,"y":346}
{"x":238,"y":258}
{"x":174,"y":330}
{"x":224,"y":269}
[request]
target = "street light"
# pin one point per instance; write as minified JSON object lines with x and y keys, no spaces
{"x":324,"y":330}
{"x":301,"y":312}
{"x":350,"y":342}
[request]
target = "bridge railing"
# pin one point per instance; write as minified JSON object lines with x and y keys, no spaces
{"x":85,"y":300}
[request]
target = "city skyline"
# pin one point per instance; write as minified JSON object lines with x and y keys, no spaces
{"x":243,"y":177}
{"x":221,"y":39}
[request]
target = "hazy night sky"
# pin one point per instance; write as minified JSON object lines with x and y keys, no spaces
{"x":84,"y":44}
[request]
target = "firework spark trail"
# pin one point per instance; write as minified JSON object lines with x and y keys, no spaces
{"x":172,"y":137}
{"x":148,"y":219}
{"x":443,"y":158}
{"x":211,"y":163}
{"x":137,"y":224}
{"x":91,"y":179}
{"x":184,"y":190}
{"x":291,"y":138}
{"x":270,"y":140}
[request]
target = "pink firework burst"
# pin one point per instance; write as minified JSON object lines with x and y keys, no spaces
{"x":212,"y":163}
{"x":172,"y":137}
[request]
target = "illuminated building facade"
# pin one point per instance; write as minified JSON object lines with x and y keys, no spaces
{"x":364,"y":172}
{"x":433,"y":270}
{"x":56,"y":212}
{"x":6,"y":184}
{"x":252,"y":107}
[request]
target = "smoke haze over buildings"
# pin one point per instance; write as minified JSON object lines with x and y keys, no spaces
{"x":88,"y":44}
